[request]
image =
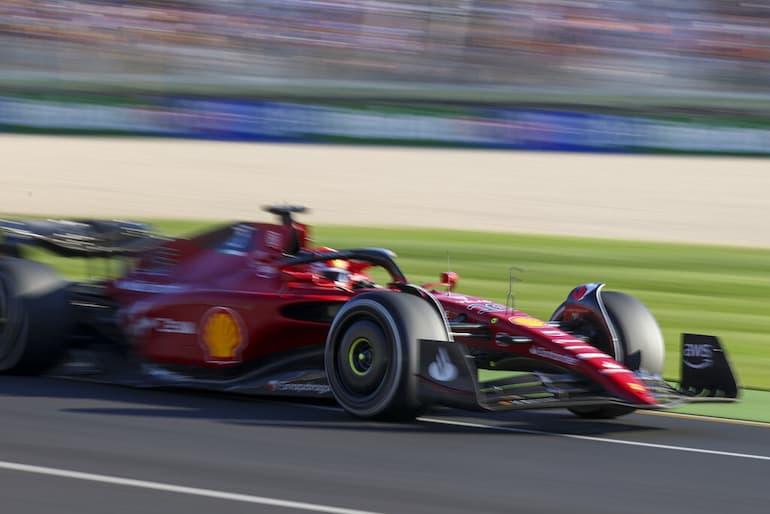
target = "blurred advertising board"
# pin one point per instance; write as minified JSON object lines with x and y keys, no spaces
{"x":368,"y":123}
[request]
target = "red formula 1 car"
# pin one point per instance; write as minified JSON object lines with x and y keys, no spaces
{"x":252,"y":308}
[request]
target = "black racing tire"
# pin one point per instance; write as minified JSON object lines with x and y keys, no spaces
{"x":638,"y":331}
{"x":641,"y":346}
{"x":372,"y":352}
{"x":35,"y":316}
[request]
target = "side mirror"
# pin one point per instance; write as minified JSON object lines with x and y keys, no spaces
{"x":449,"y":279}
{"x":446,"y":279}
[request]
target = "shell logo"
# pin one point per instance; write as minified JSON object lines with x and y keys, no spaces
{"x":527,"y":321}
{"x":222,"y":335}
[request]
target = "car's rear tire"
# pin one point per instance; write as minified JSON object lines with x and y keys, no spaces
{"x":372,"y":353}
{"x":641,"y":346}
{"x":34,"y":316}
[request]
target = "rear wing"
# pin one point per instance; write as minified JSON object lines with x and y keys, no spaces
{"x":78,"y":238}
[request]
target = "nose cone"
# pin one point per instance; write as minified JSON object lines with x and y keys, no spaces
{"x":621,"y":381}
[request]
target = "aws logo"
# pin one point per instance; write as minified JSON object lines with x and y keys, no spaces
{"x":698,"y":356}
{"x":222,"y":336}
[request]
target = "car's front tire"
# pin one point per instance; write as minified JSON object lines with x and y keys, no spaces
{"x":371,"y":354}
{"x":641,"y":345}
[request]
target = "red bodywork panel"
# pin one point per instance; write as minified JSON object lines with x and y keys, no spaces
{"x":227,"y":297}
{"x":548,"y":344}
{"x":219,"y":300}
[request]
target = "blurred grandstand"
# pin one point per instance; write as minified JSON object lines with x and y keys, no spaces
{"x":609,"y":47}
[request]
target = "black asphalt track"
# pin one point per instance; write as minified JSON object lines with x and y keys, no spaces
{"x":319,"y":455}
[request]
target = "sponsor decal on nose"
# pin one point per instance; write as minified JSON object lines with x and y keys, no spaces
{"x":527,"y":321}
{"x":555,"y":356}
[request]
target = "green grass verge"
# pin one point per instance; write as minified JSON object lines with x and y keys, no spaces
{"x":754,"y":406}
{"x":707,"y":289}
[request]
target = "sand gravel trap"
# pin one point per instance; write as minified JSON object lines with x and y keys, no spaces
{"x":720,"y":200}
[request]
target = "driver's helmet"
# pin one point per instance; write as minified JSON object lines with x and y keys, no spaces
{"x":335,"y":270}
{"x":336,"y":274}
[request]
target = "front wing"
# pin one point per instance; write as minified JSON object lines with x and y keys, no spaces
{"x":448,"y":376}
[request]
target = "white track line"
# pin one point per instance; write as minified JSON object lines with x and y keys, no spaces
{"x":695,"y":417}
{"x":574,"y":436}
{"x":592,"y":438}
{"x":171,"y":488}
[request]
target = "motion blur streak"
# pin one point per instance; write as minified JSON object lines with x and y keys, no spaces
{"x":695,"y":44}
{"x":158,"y":486}
{"x":597,"y":439}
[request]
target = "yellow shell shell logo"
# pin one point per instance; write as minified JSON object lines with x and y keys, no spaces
{"x":526,"y":321}
{"x":222,"y":336}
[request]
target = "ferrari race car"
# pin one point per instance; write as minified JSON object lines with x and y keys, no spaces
{"x":253,"y":308}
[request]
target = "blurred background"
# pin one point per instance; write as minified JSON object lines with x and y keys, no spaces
{"x":691,"y":59}
{"x":623,"y":46}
